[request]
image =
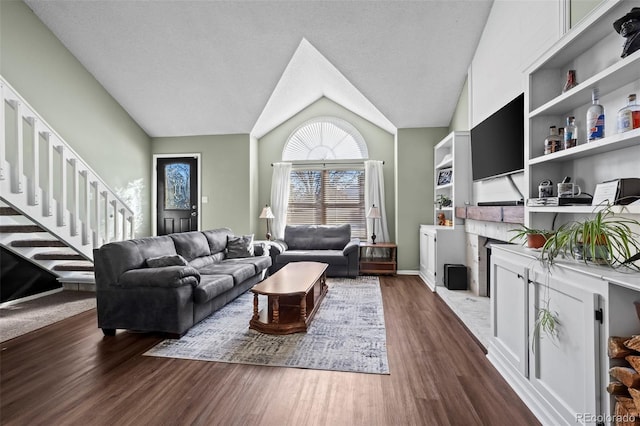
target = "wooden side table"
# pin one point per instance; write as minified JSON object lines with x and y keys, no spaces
{"x":374,"y":260}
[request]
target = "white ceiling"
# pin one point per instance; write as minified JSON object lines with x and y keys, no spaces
{"x":185,"y":67}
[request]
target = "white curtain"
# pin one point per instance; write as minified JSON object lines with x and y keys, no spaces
{"x":374,"y":194}
{"x":280,"y":197}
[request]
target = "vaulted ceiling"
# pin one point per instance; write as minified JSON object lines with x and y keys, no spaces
{"x":183,"y":67}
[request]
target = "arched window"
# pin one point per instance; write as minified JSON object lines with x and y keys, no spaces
{"x":327,"y":178}
{"x":325,"y":138}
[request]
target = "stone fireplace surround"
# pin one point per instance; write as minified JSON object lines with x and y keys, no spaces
{"x":486,"y":225}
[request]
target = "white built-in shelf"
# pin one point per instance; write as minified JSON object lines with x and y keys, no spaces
{"x":587,"y":209}
{"x":585,"y":35}
{"x":614,"y":77}
{"x":607,"y":144}
{"x":445,"y":163}
{"x":449,"y":185}
{"x":445,"y":209}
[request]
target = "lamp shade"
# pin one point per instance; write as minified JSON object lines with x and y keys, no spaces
{"x":266,"y":213}
{"x":374,"y":212}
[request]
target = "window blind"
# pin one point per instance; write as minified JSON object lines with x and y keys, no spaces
{"x":328,"y":197}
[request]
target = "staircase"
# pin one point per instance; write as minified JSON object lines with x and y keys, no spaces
{"x":54,"y":209}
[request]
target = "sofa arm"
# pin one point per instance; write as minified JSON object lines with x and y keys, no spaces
{"x":351,"y":247}
{"x":260,"y":248}
{"x":167,"y":277}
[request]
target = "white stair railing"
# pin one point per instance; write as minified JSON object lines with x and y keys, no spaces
{"x":44,"y":178}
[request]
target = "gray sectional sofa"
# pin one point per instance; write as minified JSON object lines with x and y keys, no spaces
{"x":169,"y":283}
{"x":330,"y":244}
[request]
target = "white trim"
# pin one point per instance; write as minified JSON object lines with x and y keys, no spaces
{"x":154,"y":187}
{"x":407,"y":272}
{"x":564,"y":16}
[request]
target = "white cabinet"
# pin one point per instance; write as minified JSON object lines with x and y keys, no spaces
{"x":565,"y":370}
{"x":439,"y":245}
{"x":593,"y":49}
{"x":509,"y":311}
{"x":562,"y":379}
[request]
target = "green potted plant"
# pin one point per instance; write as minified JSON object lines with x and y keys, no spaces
{"x":606,"y":238}
{"x":534,"y":238}
{"x":443,"y":201}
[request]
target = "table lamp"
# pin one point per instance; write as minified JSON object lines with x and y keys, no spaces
{"x":267,"y":214}
{"x":374,"y":213}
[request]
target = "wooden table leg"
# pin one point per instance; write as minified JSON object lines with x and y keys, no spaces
{"x":255,"y":306}
{"x":303,"y":307}
{"x":276,"y":309}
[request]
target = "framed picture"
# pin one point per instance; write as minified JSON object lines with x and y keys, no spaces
{"x":445,"y":176}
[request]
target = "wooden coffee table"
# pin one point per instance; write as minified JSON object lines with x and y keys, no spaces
{"x":294,"y":294}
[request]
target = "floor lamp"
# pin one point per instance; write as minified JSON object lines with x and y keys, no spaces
{"x":373,"y":214}
{"x":268,"y":215}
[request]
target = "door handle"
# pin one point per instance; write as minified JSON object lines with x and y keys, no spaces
{"x":194,"y":213}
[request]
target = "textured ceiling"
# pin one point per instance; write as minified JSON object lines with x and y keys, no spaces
{"x":221,"y":67}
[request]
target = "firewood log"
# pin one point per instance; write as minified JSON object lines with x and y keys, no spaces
{"x":617,"y":388}
{"x":633,"y":343}
{"x":635,"y":395}
{"x":626,"y":375}
{"x":616,"y":347}
{"x":627,"y":412}
{"x":634,"y":360}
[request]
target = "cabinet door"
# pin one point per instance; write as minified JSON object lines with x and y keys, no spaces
{"x":432,"y":259}
{"x":428,"y":258}
{"x":509,"y":298}
{"x":565,"y":369}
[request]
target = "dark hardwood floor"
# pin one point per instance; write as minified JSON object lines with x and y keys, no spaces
{"x":68,"y":373}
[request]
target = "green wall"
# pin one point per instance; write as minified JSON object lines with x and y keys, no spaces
{"x":67,"y":96}
{"x":415,"y":190}
{"x":227,"y":175}
{"x":379,"y":142}
{"x":460,"y":118}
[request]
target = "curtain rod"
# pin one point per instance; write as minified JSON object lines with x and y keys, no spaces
{"x":325,"y":163}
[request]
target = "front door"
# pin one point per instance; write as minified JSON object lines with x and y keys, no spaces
{"x":177,"y":186}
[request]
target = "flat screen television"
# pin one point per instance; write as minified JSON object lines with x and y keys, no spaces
{"x":497,"y":143}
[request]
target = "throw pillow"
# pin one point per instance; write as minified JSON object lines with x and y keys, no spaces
{"x":169,"y":260}
{"x":238,"y":247}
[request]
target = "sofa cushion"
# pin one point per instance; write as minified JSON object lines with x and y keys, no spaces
{"x":239,"y":272}
{"x":200,"y":262}
{"x":191,"y":245}
{"x":239,"y":247}
{"x":168,"y":260}
{"x":333,"y":257}
{"x":211,"y":286}
{"x":260,"y":263}
{"x":317,"y":237}
{"x":217,"y":239}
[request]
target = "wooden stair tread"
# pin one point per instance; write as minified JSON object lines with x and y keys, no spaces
{"x":9,"y":211}
{"x":75,"y":266}
{"x":20,"y":228}
{"x":58,"y":255}
{"x":38,"y":243}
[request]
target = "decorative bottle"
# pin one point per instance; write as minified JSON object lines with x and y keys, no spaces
{"x":571,"y":81}
{"x":552,"y":143}
{"x":595,"y":118}
{"x":629,"y":116}
{"x":570,"y":133}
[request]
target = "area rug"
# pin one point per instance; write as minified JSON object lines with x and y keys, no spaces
{"x":346,"y":334}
